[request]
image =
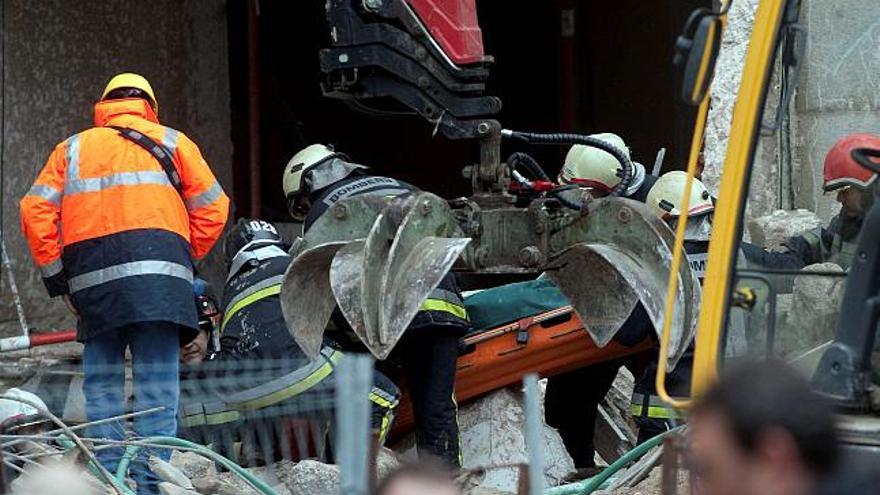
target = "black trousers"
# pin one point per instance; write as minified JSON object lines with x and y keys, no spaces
{"x":426,"y":357}
{"x":678,"y":384}
{"x":572,"y":400}
{"x":571,"y":406}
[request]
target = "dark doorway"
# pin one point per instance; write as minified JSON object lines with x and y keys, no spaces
{"x":610,"y":60}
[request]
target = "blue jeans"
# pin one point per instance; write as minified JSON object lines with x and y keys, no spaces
{"x":154,"y":348}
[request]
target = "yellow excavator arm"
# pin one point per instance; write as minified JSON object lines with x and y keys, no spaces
{"x":732,"y":191}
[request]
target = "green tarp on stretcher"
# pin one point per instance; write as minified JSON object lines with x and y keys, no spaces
{"x":508,"y":303}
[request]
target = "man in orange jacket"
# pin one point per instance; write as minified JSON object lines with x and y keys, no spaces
{"x":115,"y":221}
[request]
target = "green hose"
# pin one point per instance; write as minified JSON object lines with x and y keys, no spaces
{"x":210,"y":454}
{"x":122,"y":469}
{"x":68,"y":444}
{"x":588,"y":486}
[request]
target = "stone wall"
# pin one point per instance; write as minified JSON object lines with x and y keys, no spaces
{"x":837,"y":94}
{"x":59,"y":55}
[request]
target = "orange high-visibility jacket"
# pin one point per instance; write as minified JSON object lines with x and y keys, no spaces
{"x":106,"y":226}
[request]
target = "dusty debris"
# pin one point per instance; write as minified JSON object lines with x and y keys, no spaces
{"x":493,"y":434}
{"x":193,"y":465}
{"x":615,"y":431}
{"x":815,"y":306}
{"x":310,"y":477}
{"x":167,"y":488}
{"x":386,"y":463}
{"x":652,"y":485}
{"x":167,"y":472}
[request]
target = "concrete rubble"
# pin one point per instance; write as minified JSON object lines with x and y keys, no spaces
{"x":771,"y":231}
{"x":493,"y":434}
{"x":615,"y":430}
{"x":815,"y":306}
{"x":652,"y":485}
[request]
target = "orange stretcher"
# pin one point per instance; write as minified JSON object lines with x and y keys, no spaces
{"x":548,"y":344}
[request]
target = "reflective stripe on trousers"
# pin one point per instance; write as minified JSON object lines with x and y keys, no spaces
{"x":273,"y":392}
{"x":276,"y":391}
{"x":651,"y":407}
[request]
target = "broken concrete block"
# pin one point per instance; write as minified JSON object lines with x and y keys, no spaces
{"x":166,"y":472}
{"x":386,"y":463}
{"x":771,"y":231}
{"x":166,"y":488}
{"x":311,"y":477}
{"x":615,"y":430}
{"x":493,"y":434}
{"x":815,"y":305}
{"x":192,"y":465}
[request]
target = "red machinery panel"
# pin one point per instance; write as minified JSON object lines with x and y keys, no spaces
{"x":453,"y":24}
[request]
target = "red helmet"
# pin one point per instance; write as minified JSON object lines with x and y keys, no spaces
{"x":840,"y":168}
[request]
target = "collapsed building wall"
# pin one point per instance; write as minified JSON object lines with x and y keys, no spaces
{"x":837,"y":94}
{"x":58,"y":56}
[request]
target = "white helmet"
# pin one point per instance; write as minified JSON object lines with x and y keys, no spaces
{"x":297,"y":186}
{"x":303,"y":160}
{"x":592,"y":167}
{"x":665,"y":197}
{"x":15,"y":412}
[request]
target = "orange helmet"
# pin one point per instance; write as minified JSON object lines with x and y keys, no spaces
{"x":840,"y":168}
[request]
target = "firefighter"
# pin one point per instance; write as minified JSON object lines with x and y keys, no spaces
{"x":652,"y":415}
{"x":138,"y":205}
{"x":314,"y":180}
{"x":852,"y":183}
{"x":599,"y":171}
{"x":664,"y":196}
{"x":274,"y":380}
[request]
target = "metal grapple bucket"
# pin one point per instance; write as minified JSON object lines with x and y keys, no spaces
{"x":378,"y":260}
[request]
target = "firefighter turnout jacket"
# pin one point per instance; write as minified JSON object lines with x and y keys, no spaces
{"x":106,"y":226}
{"x":263,"y":372}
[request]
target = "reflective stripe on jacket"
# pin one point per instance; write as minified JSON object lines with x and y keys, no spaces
{"x":105,"y":224}
{"x":253,"y":325}
{"x":357,"y":185}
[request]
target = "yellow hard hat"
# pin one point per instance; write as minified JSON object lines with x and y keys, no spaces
{"x":132,"y":80}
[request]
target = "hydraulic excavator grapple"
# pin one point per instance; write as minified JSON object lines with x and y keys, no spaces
{"x":377,"y":260}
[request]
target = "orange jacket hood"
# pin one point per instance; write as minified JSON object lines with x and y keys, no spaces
{"x":107,"y":110}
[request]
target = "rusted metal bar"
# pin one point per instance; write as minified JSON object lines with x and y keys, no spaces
{"x":669,"y":480}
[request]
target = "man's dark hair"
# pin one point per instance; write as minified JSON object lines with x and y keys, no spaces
{"x":427,"y":471}
{"x":754,"y":396}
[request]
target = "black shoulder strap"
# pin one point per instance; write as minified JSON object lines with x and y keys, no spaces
{"x":158,"y":151}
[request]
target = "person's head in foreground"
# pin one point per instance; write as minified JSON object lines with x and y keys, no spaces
{"x":418,"y":479}
{"x":762,"y":430}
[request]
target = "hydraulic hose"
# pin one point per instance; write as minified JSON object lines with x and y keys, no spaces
{"x":562,"y":199}
{"x":529,"y":163}
{"x":588,"y":486}
{"x":627,"y":168}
